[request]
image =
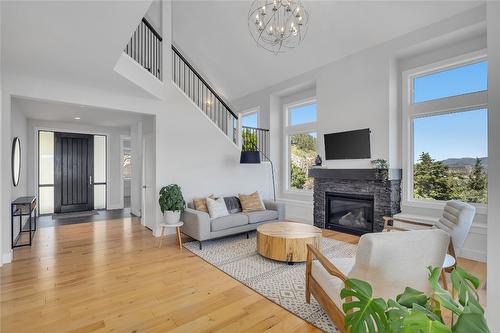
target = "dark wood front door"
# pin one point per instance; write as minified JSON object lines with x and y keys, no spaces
{"x":73,"y":172}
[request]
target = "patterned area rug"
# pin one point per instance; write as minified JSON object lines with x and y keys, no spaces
{"x":279,"y":282}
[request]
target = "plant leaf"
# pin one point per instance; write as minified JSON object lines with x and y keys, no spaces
{"x":471,"y":321}
{"x":396,"y":313}
{"x":417,"y":321}
{"x":441,"y":295}
{"x":364,"y":313}
{"x":465,"y":284}
{"x":411,"y":296}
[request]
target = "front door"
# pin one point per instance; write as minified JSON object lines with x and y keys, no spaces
{"x":73,"y":171}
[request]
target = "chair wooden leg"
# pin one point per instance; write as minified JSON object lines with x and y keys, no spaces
{"x":443,"y":277}
{"x":308,"y":274}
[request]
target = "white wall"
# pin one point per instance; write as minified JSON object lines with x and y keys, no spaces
{"x":19,"y":128}
{"x":154,"y":14}
{"x":113,"y":195}
{"x":494,"y":166}
{"x":363,"y":91}
{"x":2,"y":151}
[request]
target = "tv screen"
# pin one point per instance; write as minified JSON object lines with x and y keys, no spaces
{"x":348,"y":145}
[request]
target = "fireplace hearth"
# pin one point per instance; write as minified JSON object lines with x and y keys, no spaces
{"x":354,"y":200}
{"x":351,"y":213}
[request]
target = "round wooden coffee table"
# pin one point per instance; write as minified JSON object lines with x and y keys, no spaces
{"x":287,"y":241}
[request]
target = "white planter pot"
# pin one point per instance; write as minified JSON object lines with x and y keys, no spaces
{"x":172,"y":217}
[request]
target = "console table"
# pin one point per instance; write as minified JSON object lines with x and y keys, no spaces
{"x":23,"y":206}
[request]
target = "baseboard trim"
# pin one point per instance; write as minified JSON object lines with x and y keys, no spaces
{"x":136,"y":212}
{"x":299,"y":219}
{"x":7,"y":258}
{"x":473,"y":255}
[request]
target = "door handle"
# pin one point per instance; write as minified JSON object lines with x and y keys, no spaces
{"x":90,"y":180}
{"x":144,"y":186}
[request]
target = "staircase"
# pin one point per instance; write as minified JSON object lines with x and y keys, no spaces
{"x":145,"y":47}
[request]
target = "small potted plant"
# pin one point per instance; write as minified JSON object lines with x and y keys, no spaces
{"x":171,"y":203}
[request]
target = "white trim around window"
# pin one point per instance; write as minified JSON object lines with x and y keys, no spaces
{"x":410,"y":111}
{"x":289,"y":130}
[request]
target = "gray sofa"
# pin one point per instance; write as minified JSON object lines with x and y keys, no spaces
{"x":198,"y":225}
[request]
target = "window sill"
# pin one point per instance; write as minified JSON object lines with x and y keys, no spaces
{"x":439,"y":204}
{"x":305,"y":193}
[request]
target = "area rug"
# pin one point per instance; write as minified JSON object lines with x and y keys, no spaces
{"x":279,"y":282}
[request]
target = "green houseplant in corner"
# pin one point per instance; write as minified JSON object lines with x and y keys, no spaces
{"x":413,"y":311}
{"x":171,"y":203}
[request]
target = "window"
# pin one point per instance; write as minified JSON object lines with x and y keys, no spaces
{"x":457,"y":81}
{"x":100,"y":174}
{"x":449,"y":134}
{"x":301,"y":140}
{"x":250,"y":119}
{"x":46,"y":172}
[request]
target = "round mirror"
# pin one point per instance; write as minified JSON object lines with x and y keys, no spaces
{"x":16,"y":160}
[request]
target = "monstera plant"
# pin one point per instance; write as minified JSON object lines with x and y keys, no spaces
{"x":414,"y":311}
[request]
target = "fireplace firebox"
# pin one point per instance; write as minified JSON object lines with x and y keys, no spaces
{"x":351,"y":213}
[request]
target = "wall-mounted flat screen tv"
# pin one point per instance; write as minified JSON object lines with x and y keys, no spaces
{"x":348,"y":145}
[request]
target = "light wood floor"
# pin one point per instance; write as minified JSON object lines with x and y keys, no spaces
{"x":108,"y":276}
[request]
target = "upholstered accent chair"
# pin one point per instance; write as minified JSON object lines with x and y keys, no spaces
{"x":389,"y":261}
{"x":456,"y":220}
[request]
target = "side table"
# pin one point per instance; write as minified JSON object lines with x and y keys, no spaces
{"x":177,"y":226}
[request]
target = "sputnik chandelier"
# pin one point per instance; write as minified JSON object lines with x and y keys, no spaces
{"x":277,"y":25}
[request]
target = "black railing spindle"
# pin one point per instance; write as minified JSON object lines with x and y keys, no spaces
{"x":145,"y":48}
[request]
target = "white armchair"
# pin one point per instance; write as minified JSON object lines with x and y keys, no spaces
{"x":456,"y":220}
{"x":390,"y":262}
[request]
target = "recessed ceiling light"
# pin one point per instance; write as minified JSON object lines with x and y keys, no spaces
{"x":77,"y":118}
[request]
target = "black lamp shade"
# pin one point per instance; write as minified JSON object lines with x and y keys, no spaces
{"x":250,"y":157}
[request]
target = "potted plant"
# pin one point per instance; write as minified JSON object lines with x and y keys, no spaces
{"x":414,"y":311}
{"x":382,"y":167}
{"x":171,"y":203}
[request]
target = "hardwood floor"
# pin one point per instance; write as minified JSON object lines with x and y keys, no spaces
{"x":108,"y":276}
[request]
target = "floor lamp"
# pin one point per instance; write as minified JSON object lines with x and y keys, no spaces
{"x":253,"y":157}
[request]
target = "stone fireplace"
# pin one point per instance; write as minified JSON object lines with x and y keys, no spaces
{"x":355,"y":200}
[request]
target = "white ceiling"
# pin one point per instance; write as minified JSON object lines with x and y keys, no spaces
{"x":70,"y":41}
{"x":214,"y":36}
{"x":64,"y":112}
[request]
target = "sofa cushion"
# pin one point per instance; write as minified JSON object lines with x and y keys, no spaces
{"x":230,"y":221}
{"x":329,"y":283}
{"x":265,"y":215}
{"x":233,"y":204}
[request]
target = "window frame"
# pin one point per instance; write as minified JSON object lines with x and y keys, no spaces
{"x":290,"y":130}
{"x":445,"y":105}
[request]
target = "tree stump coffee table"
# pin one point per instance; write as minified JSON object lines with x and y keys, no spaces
{"x":287,"y":241}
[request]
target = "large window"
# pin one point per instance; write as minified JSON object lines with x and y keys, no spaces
{"x":301,"y":144}
{"x":250,"y":119}
{"x":448,"y":138}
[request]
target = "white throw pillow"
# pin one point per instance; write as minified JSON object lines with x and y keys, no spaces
{"x":217,"y":208}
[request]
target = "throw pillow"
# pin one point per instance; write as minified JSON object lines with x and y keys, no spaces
{"x":201,"y":204}
{"x":217,"y":208}
{"x":251,"y":203}
{"x":233,"y":204}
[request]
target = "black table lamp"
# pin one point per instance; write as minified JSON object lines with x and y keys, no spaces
{"x":253,"y":157}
